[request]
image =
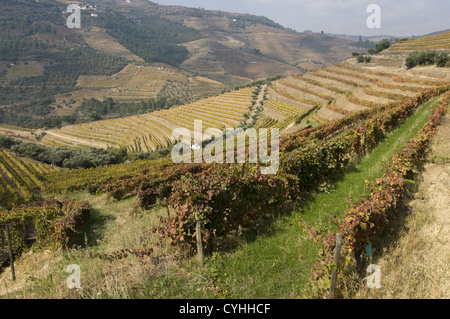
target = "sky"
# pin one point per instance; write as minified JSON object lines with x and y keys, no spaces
{"x":398,"y":17}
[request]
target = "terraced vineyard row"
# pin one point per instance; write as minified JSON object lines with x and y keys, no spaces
{"x":339,"y":90}
{"x":268,"y":122}
{"x":433,"y":42}
{"x":152,"y":131}
{"x":283,"y":108}
{"x":20,"y":178}
{"x":80,"y":179}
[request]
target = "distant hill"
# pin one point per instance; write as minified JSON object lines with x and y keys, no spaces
{"x":235,"y":45}
{"x":436,"y":33}
{"x":374,"y":38}
{"x":138,"y":51}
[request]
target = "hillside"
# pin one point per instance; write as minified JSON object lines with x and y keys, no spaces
{"x":290,"y":104}
{"x":237,"y":45}
{"x":137,"y":51}
{"x":152,"y":131}
{"x":252,"y":47}
{"x":47,"y":69}
{"x":119,"y":245}
{"x":439,"y":42}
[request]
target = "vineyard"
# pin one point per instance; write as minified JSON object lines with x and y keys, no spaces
{"x":152,"y":131}
{"x":130,"y":84}
{"x":365,"y":220}
{"x":227,"y":200}
{"x":334,"y":92}
{"x":63,"y":181}
{"x":432,"y":42}
{"x":349,"y":199}
{"x":308,"y":158}
{"x":21,"y":179}
{"x":209,"y":203}
{"x":290,"y":104}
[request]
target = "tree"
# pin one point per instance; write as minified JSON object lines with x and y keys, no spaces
{"x":383,"y":45}
{"x":363,"y":59}
{"x":441,"y":59}
{"x":426,"y":58}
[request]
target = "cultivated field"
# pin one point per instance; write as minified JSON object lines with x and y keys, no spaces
{"x":152,"y":131}
{"x":432,"y":42}
{"x":98,"y":39}
{"x":21,"y":179}
{"x":21,"y":70}
{"x":290,"y":104}
{"x":133,"y":83}
{"x":336,"y":91}
{"x":18,"y":133}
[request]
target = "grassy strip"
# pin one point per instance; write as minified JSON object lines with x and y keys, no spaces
{"x":278,"y":262}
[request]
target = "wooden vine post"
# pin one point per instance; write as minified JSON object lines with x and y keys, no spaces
{"x":200,"y":252}
{"x":365,"y":139}
{"x":198,"y":227}
{"x":166,"y":204}
{"x":2,"y":238}
{"x":11,"y":254}
{"x":337,"y":254}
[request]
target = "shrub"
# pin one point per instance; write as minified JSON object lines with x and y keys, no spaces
{"x":441,"y":59}
{"x":426,"y":58}
{"x":56,"y":223}
{"x":363,"y":59}
{"x":383,"y":45}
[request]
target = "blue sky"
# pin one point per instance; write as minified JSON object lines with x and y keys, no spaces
{"x":398,"y":17}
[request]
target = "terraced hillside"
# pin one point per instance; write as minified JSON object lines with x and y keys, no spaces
{"x":432,"y":42}
{"x":289,"y":104}
{"x":333,"y":92}
{"x":152,"y":131}
{"x":133,"y":83}
{"x":21,"y":179}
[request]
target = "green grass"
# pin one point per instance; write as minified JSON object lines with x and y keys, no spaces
{"x":277,"y":263}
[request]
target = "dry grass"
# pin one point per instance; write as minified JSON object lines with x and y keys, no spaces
{"x":113,"y":227}
{"x":17,"y":132}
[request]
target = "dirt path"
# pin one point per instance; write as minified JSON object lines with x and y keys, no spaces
{"x":417,"y":265}
{"x":76,"y":140}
